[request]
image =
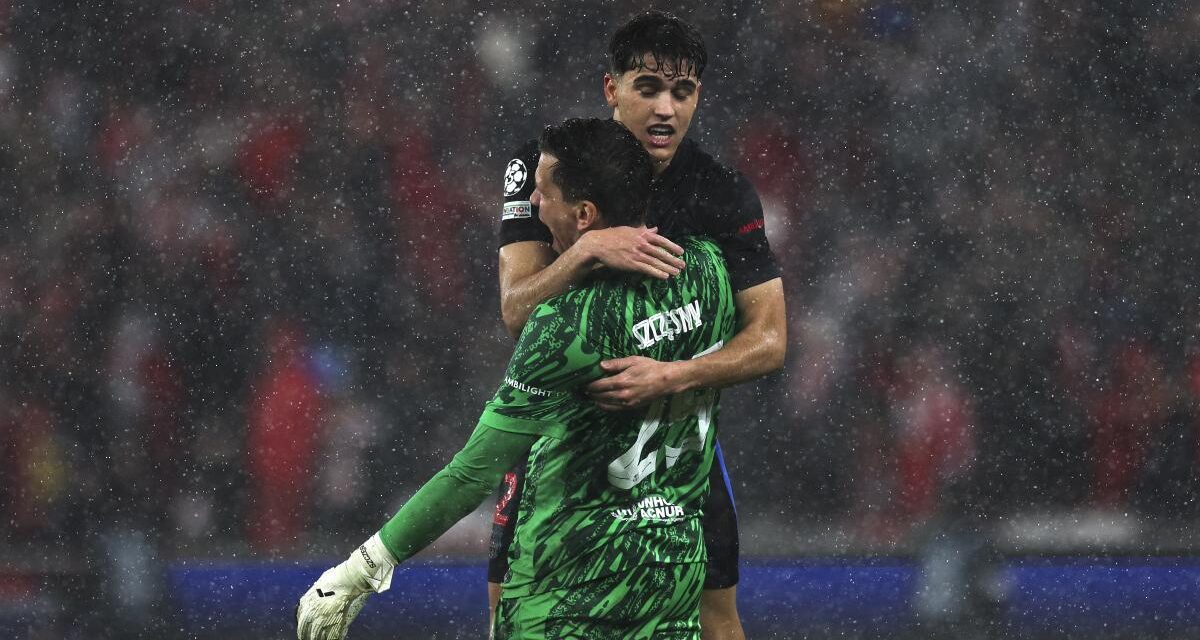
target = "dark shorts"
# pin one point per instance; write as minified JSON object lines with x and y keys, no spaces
{"x":719,"y":523}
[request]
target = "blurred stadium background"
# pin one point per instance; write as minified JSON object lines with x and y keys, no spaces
{"x":248,"y":304}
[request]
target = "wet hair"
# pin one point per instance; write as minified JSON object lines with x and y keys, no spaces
{"x":672,"y":45}
{"x":600,"y":161}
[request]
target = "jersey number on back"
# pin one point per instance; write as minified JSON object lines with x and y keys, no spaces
{"x":631,"y":467}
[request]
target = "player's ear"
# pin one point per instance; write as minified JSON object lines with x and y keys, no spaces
{"x":586,"y":216}
{"x":610,"y":90}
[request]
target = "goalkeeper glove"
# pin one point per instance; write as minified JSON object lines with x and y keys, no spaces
{"x":331,"y":604}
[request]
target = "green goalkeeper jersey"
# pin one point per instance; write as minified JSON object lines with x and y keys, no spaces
{"x":607,"y":491}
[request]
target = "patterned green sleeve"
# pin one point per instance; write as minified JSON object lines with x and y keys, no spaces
{"x":541,"y":392}
{"x":455,"y":491}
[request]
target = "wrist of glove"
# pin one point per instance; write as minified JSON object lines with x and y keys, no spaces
{"x":367,"y":570}
{"x":335,"y":599}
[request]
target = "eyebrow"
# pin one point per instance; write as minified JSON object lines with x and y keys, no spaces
{"x":536,"y":183}
{"x":650,"y":78}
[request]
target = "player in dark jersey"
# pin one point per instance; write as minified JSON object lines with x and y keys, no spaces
{"x":609,"y":544}
{"x":653,"y":86}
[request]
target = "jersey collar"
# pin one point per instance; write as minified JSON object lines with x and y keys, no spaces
{"x":679,"y":164}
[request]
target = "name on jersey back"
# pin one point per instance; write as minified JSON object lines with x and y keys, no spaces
{"x":665,"y":325}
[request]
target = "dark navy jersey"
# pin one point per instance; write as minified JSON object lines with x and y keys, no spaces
{"x":696,"y":195}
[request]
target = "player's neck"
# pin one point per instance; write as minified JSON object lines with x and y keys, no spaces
{"x":661,"y":167}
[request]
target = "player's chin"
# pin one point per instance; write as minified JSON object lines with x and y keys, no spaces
{"x":662,"y":154}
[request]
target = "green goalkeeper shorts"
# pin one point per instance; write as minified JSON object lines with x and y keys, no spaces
{"x":653,"y":601}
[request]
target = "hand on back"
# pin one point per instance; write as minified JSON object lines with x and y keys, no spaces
{"x":632,"y":382}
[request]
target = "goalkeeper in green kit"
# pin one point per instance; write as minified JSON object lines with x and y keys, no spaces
{"x":608,"y":541}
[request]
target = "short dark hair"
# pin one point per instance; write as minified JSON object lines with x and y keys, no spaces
{"x":601,"y":161}
{"x":659,"y":36}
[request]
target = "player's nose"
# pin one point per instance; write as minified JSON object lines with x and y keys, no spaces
{"x":664,"y":106}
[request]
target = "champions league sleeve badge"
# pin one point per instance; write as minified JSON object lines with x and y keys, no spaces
{"x":514,"y":176}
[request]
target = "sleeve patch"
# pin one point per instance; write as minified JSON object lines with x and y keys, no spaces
{"x":515,"y":175}
{"x":517,"y":209}
{"x":501,"y":515}
{"x":751,"y":226}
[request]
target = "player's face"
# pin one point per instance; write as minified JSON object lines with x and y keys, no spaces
{"x":562,"y":218}
{"x":656,"y":105}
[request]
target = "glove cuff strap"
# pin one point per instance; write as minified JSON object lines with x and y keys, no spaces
{"x":376,"y":563}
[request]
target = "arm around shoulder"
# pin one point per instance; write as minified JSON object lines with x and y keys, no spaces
{"x":760,"y":345}
{"x":521,"y":263}
{"x":531,"y":272}
{"x":763,"y":313}
{"x":758,"y":348}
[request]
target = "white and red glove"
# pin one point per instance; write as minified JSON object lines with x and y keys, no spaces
{"x":331,"y":604}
